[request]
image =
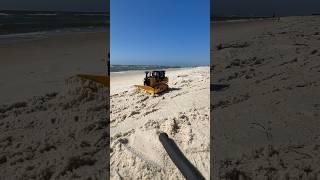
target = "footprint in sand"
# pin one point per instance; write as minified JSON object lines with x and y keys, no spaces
{"x":232,"y":45}
{"x":314,"y":52}
{"x":143,"y":145}
{"x":289,"y":62}
{"x":149,"y":112}
{"x":219,"y":87}
{"x":134,"y":113}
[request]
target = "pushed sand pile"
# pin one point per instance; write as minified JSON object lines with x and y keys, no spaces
{"x":282,"y":162}
{"x":265,"y":101}
{"x":137,"y":118}
{"x":56,"y":136}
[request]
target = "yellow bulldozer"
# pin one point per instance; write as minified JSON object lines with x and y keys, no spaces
{"x":154,"y":82}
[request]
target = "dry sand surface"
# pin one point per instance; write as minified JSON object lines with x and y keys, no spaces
{"x":265,"y":99}
{"x":52,"y":124}
{"x":56,"y":136}
{"x":137,"y":118}
{"x":40,"y":62}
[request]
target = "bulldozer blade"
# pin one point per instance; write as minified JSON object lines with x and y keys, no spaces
{"x":104,"y":80}
{"x":159,"y":88}
{"x":146,"y":88}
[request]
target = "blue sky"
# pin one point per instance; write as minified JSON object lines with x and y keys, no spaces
{"x":160,"y":32}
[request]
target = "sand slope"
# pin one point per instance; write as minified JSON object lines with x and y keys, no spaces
{"x":137,"y":118}
{"x":40,"y":62}
{"x":266,"y":119}
{"x":56,"y":136}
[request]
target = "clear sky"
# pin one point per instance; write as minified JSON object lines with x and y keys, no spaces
{"x":160,"y":32}
{"x":264,"y":7}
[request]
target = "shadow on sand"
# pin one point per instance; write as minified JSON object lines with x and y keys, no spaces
{"x":167,"y":91}
{"x":173,"y":89}
{"x":218,"y":87}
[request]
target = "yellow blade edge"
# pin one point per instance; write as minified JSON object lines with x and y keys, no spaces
{"x":104,"y":80}
{"x":146,"y":88}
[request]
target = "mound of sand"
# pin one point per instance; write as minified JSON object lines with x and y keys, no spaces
{"x":56,"y":136}
{"x":137,"y":118}
{"x":269,"y":99}
{"x":282,"y":162}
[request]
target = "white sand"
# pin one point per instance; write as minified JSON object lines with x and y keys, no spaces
{"x":35,"y":64}
{"x":62,"y":132}
{"x":56,"y":136}
{"x":266,"y":124}
{"x":137,"y":118}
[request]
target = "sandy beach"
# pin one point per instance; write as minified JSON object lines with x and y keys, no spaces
{"x":40,"y":62}
{"x":137,"y":118}
{"x":52,"y":124}
{"x":265,"y":98}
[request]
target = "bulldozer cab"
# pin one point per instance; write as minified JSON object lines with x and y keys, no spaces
{"x":153,"y":77}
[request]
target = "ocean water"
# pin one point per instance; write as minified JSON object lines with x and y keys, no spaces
{"x":15,"y":22}
{"x":237,"y":18}
{"x":120,"y":68}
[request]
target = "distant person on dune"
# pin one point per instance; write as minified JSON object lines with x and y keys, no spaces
{"x":108,"y":63}
{"x":274,"y":17}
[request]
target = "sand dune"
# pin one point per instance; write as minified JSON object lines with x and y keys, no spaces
{"x":52,"y":129}
{"x":137,"y":118}
{"x":56,"y":136}
{"x":39,"y":63}
{"x":266,"y":118}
